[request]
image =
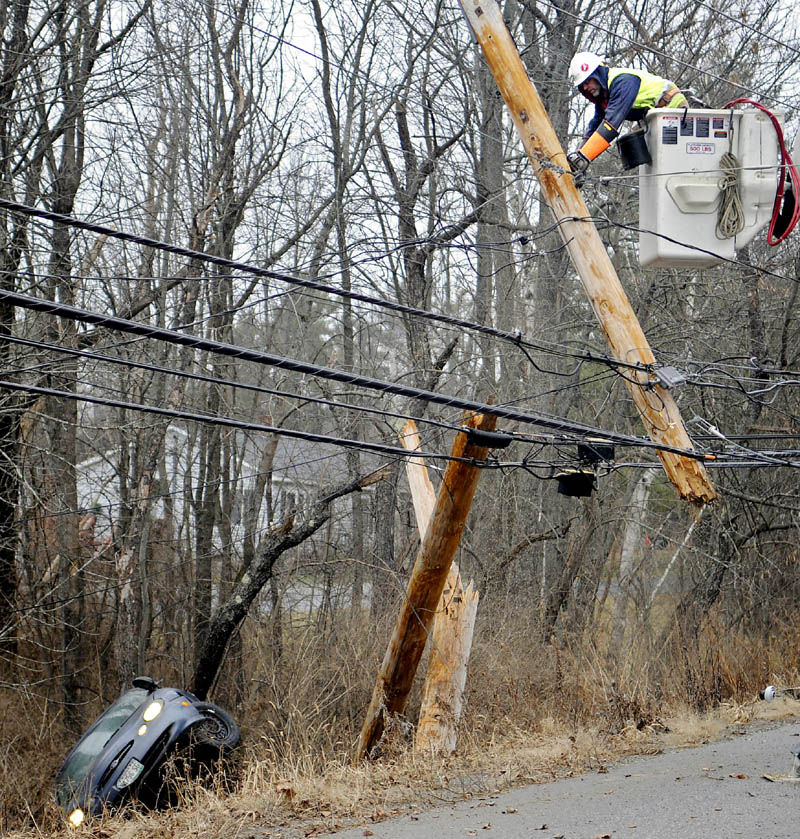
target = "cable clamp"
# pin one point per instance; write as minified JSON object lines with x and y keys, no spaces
{"x":546,"y":163}
{"x":488,"y":439}
{"x":669,"y":377}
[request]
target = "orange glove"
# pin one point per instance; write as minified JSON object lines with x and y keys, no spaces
{"x":598,"y":142}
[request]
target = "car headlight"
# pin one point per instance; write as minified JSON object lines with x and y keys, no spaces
{"x":76,"y":817}
{"x":152,"y":710}
{"x":129,"y":774}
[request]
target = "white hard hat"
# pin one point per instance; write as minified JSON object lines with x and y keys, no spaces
{"x":582,"y":66}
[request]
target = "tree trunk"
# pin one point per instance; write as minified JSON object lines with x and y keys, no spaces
{"x":575,"y":561}
{"x":631,"y":542}
{"x":230,"y":615}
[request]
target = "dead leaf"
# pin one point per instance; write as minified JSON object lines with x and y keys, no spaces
{"x":603,"y":836}
{"x":510,"y":810}
{"x":368,"y":832}
{"x":285,"y":788}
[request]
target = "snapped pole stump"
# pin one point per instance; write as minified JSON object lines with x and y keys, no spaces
{"x":453,"y":626}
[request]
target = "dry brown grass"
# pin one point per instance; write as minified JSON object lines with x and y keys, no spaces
{"x":534,"y":712}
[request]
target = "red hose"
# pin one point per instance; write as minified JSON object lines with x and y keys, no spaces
{"x":786,"y":165}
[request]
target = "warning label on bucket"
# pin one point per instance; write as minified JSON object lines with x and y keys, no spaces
{"x":700,"y":148}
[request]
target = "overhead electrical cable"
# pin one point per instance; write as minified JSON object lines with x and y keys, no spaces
{"x":89,"y":355}
{"x":232,"y":422}
{"x":712,"y":430}
{"x":333,"y":374}
{"x":101,"y":230}
{"x":741,"y":22}
{"x":214,"y":380}
{"x":457,"y":19}
{"x":715,"y":464}
{"x":634,"y":229}
{"x":379,"y":448}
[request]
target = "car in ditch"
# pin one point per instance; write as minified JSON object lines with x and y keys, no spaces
{"x":124,"y":754}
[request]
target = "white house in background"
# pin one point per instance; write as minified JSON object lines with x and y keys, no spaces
{"x":299,"y":470}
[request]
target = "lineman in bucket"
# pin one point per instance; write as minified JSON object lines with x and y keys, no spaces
{"x":618,"y":93}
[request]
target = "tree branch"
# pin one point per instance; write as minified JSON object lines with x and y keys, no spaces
{"x":228,"y":618}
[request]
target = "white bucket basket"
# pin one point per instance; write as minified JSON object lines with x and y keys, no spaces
{"x":679,"y":192}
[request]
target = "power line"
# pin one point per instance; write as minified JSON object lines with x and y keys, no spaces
{"x":746,"y":25}
{"x":264,"y":358}
{"x":755,"y":459}
{"x":773,"y":462}
{"x":186,"y":374}
{"x":561,"y":10}
{"x":634,"y":229}
{"x":330,"y":290}
{"x":515,"y":338}
{"x":294,"y":365}
{"x":512,"y":337}
{"x":231,"y":422}
{"x":92,"y":356}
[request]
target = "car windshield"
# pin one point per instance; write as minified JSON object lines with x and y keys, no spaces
{"x":73,"y":772}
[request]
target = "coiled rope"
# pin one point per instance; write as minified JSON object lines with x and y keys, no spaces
{"x":730,"y":219}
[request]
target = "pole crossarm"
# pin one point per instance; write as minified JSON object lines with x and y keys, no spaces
{"x":609,"y":301}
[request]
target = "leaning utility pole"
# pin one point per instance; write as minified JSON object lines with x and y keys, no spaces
{"x":427,"y":581}
{"x":453,"y":626}
{"x":610,"y":303}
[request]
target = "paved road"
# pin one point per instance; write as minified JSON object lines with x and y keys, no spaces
{"x":710,"y":792}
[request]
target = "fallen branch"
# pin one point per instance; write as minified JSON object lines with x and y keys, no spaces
{"x":288,"y":534}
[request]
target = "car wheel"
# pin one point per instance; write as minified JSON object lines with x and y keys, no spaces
{"x":218,"y":728}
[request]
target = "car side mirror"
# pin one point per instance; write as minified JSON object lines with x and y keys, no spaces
{"x":145,"y":683}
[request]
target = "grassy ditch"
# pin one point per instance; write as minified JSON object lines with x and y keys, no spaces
{"x":534,"y":711}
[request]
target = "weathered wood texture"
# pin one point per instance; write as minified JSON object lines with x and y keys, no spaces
{"x":453,"y":626}
{"x":428,"y":578}
{"x":423,"y":495}
{"x":443,"y":695}
{"x":602,"y":285}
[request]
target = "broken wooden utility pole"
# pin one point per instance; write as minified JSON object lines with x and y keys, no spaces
{"x":446,"y":679}
{"x":610,"y":303}
{"x":428,"y":577}
{"x":453,"y":626}
{"x":423,"y":495}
